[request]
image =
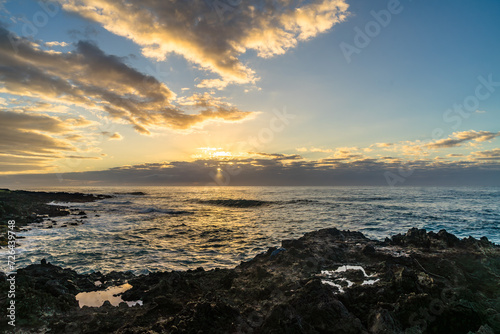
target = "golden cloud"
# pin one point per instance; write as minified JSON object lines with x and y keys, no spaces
{"x":213,"y":38}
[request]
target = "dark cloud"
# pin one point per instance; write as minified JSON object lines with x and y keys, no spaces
{"x":274,"y":170}
{"x":90,"y":78}
{"x":88,"y":32}
{"x":458,"y":138}
{"x":487,"y":155}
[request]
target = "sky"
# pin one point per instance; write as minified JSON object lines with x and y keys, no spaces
{"x":235,"y":92}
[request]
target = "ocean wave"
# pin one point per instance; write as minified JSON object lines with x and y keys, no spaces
{"x":236,"y":203}
{"x":249,"y":203}
{"x":60,"y":203}
{"x":170,"y":212}
{"x":134,"y":193}
{"x":301,"y":201}
{"x":364,"y":199}
{"x":162,"y":237}
{"x":116,"y":202}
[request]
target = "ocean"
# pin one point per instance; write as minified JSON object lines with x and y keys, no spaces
{"x":180,"y":228}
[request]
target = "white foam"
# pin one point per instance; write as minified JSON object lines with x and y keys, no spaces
{"x":60,"y":203}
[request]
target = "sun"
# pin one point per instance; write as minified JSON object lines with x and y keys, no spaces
{"x":215,"y":153}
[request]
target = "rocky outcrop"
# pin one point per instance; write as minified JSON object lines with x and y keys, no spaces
{"x":26,"y":207}
{"x":328,"y":281}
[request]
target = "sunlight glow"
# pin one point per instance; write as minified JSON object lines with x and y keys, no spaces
{"x":215,"y":153}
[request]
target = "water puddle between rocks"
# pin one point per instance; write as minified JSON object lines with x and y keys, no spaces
{"x":112,"y":294}
{"x":334,"y":277}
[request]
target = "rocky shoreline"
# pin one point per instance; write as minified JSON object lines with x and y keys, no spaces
{"x":28,"y":207}
{"x":328,"y":281}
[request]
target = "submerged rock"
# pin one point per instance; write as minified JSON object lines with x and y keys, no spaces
{"x":133,"y":193}
{"x":328,"y":281}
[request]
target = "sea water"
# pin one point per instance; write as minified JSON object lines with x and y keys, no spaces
{"x":179,"y":228}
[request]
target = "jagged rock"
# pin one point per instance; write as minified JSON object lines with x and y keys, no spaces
{"x":328,"y":281}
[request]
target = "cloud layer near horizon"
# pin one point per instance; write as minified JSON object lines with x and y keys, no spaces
{"x":279,"y":169}
{"x":214,"y":34}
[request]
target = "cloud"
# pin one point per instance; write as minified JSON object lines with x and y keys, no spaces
{"x":213,"y":83}
{"x":116,"y":136}
{"x":32,"y":142}
{"x":314,"y":150}
{"x":320,"y":150}
{"x":421,"y":148}
{"x":382,"y":145}
{"x":112,"y":136}
{"x":276,"y":156}
{"x":279,"y":169}
{"x":458,"y":138}
{"x":346,"y":153}
{"x":487,"y":155}
{"x":409,"y":148}
{"x":89,"y":78}
{"x":52,"y":44}
{"x":214,"y":38}
{"x":88,"y":32}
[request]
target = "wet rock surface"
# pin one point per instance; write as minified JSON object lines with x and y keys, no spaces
{"x":328,"y":281}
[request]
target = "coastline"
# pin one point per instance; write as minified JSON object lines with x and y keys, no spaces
{"x":27,"y":207}
{"x":326,"y":281}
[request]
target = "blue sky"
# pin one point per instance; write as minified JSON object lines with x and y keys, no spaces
{"x":392,"y":98}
